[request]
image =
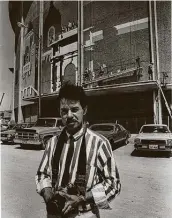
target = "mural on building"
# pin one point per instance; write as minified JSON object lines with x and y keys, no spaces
{"x":28,"y":74}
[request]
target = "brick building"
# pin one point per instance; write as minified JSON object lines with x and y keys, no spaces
{"x":126,"y":58}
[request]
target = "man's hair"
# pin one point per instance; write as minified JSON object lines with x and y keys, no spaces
{"x":73,"y":92}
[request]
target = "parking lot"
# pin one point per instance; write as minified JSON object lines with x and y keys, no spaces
{"x":146,"y":184}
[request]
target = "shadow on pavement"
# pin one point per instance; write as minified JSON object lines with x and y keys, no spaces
{"x":116,"y":146}
{"x":152,"y":154}
{"x":29,"y":147}
{"x":7,"y":143}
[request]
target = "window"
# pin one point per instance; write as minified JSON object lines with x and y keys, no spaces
{"x":118,"y":129}
{"x":46,"y":122}
{"x":102,"y":128}
{"x":154,"y":129}
{"x":59,"y":123}
{"x":51,"y":36}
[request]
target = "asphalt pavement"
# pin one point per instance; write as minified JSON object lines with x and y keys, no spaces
{"x":146,"y":184}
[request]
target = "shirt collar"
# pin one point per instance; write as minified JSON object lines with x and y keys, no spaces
{"x":77,"y":135}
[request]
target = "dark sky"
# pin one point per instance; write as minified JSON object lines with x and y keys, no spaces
{"x":6,"y":57}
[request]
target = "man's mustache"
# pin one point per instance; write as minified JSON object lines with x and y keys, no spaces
{"x":70,"y":121}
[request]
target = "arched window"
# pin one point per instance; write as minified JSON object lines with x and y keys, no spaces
{"x":51,"y":36}
{"x":70,"y":73}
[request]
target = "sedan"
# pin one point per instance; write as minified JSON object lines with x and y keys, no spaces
{"x":154,"y":137}
{"x":8,"y":135}
{"x":115,"y":133}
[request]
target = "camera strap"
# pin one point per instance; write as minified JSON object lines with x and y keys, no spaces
{"x":81,"y":171}
{"x":57,"y":154}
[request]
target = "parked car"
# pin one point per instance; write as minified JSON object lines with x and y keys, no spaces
{"x":39,"y":134}
{"x":4,"y":127}
{"x":154,"y":137}
{"x":115,"y":133}
{"x":8,"y":135}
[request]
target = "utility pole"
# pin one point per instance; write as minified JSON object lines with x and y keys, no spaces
{"x":2,"y":98}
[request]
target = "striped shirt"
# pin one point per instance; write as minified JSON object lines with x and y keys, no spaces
{"x":102,"y":177}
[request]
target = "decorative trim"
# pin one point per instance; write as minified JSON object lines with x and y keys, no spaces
{"x":27,"y":91}
{"x":132,"y":26}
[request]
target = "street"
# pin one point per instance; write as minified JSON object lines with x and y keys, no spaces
{"x":146,"y":185}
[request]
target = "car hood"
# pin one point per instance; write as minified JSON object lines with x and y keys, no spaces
{"x":10,"y":131}
{"x":40,"y":129}
{"x":153,"y":136}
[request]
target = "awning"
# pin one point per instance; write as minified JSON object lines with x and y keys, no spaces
{"x":25,"y":103}
{"x":123,"y":88}
{"x":43,"y":96}
{"x":108,"y":89}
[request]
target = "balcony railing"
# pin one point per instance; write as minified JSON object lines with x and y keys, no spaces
{"x":99,"y":78}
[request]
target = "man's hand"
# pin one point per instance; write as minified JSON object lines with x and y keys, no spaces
{"x":47,"y":194}
{"x":72,"y":201}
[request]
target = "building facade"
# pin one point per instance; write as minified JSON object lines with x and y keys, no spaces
{"x":120,"y":52}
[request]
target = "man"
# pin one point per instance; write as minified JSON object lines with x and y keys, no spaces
{"x":77,"y":174}
{"x":150,"y":71}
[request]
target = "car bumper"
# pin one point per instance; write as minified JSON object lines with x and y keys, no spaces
{"x":27,"y":142}
{"x":5,"y":139}
{"x":160,"y":148}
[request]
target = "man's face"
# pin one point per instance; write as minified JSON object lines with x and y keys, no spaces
{"x":72,"y":114}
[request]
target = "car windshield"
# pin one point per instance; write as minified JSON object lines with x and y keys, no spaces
{"x":18,"y":126}
{"x":102,"y":128}
{"x":154,"y":129}
{"x":46,"y":122}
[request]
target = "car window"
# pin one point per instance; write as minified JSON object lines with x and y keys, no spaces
{"x":23,"y":125}
{"x":102,"y":128}
{"x":10,"y":127}
{"x":46,"y":122}
{"x":122,"y":128}
{"x":154,"y":129}
{"x":18,"y":126}
{"x":118,"y":128}
{"x":59,"y":123}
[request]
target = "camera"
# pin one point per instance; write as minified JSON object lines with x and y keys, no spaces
{"x":56,"y":205}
